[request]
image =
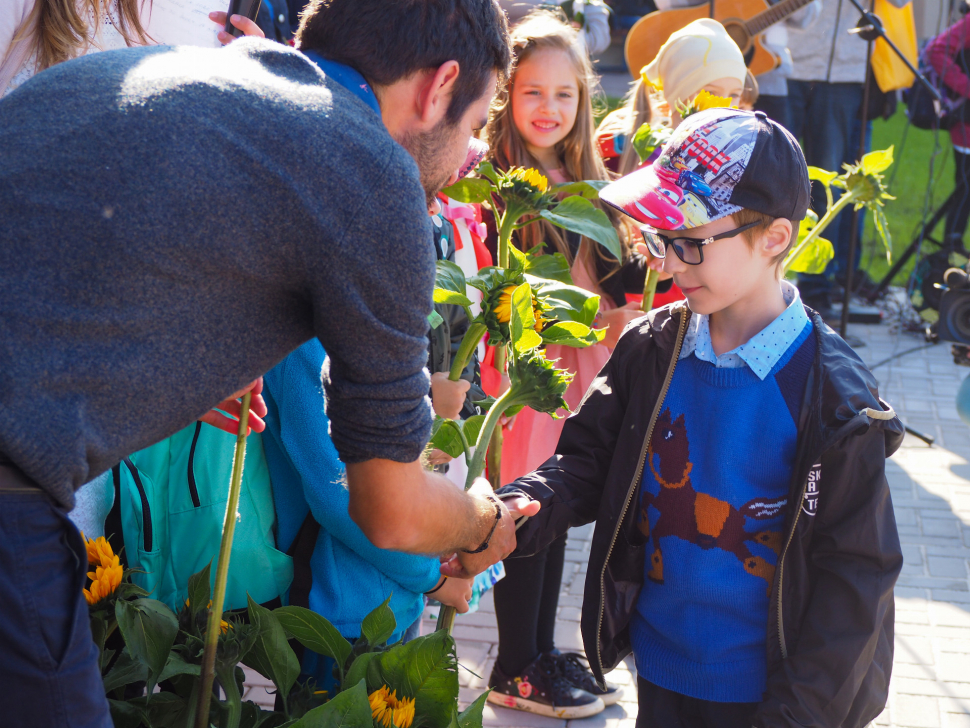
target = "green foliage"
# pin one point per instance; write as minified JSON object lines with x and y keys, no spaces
{"x":166,"y":649}
{"x":425,"y":669}
{"x":149,"y":629}
{"x":863,"y":187}
{"x":581,"y":216}
{"x":814,"y":257}
{"x":270,"y":654}
{"x":648,"y":138}
{"x":348,"y":709}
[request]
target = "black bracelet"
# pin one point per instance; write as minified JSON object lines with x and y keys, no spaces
{"x":443,"y":580}
{"x":498,"y":517}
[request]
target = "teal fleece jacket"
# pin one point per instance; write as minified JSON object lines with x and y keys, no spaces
{"x":351,"y":576}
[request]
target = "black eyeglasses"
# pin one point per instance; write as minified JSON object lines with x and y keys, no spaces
{"x":689,"y":250}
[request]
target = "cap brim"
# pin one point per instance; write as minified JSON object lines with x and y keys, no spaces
{"x":657,"y":200}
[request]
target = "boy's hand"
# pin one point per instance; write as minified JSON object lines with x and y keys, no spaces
{"x":616,"y":319}
{"x":455,"y":593}
{"x":247,"y":26}
{"x":448,"y":397}
{"x":656,"y":264}
{"x":232,"y":406}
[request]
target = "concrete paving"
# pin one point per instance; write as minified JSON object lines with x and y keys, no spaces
{"x":930,"y":487}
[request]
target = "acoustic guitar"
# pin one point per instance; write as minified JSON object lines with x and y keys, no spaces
{"x":744,"y":20}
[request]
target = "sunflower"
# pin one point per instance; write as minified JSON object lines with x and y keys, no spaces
{"x":525,"y":190}
{"x":703,"y":101}
{"x":99,"y":550}
{"x":104,"y":580}
{"x":388,"y":710}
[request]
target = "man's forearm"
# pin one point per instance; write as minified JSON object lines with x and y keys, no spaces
{"x":406,"y":508}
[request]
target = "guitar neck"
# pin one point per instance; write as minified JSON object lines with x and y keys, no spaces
{"x":772,"y":15}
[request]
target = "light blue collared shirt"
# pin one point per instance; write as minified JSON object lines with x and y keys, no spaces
{"x":763,"y":350}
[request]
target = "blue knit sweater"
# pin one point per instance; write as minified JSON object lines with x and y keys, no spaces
{"x":350,"y":575}
{"x":712,"y":506}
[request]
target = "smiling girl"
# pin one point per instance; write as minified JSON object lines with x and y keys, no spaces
{"x":544,"y":119}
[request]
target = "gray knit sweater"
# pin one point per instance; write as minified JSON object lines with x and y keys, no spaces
{"x":173,"y":222}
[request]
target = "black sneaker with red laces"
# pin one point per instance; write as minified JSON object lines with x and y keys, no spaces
{"x":541,"y":688}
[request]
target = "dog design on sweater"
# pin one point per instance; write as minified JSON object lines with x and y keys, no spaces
{"x":697,"y":517}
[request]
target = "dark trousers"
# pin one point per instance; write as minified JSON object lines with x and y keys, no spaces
{"x":661,"y":708}
{"x":824,"y":116}
{"x":48,"y":662}
{"x":959,"y":212}
{"x":526,"y":601}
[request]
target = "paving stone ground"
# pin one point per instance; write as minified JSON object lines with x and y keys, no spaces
{"x":930,"y":487}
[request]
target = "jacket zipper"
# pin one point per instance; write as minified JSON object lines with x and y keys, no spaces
{"x":193,"y":488}
{"x":146,"y":510}
{"x":781,"y":562}
{"x":682,"y":327}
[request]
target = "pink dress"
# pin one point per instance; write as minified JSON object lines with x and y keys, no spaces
{"x":533,"y":436}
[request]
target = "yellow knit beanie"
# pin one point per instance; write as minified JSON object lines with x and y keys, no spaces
{"x":692,"y":57}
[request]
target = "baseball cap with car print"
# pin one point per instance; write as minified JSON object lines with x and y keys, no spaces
{"x":717,"y":162}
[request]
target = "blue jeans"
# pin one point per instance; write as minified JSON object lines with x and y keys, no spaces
{"x":824,"y":116}
{"x":48,"y":661}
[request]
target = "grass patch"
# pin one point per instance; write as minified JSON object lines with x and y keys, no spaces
{"x":910,"y":176}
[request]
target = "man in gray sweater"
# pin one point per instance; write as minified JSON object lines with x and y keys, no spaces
{"x":174,"y":221}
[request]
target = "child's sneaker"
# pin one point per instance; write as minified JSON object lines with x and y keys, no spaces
{"x":541,"y":688}
{"x":572,"y":667}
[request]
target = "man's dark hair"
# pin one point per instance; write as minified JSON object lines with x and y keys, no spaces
{"x":387,"y":40}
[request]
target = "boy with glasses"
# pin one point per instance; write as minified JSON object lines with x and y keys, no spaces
{"x":732,"y":452}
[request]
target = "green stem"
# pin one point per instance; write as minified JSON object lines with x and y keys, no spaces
{"x":222,"y":569}
{"x":477,"y":464}
{"x":467,"y":347}
{"x":227,"y":676}
{"x":446,"y":616}
{"x":649,"y":289}
{"x":827,"y":218}
{"x":493,"y":454}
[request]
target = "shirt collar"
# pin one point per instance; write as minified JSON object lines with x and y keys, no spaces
{"x":763,"y":350}
{"x":347,"y":77}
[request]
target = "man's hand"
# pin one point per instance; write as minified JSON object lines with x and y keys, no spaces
{"x":502,"y":543}
{"x":448,"y":397}
{"x":247,"y":26}
{"x":232,"y":406}
{"x":455,"y":593}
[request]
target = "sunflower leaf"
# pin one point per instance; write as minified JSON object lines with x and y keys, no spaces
{"x":424,"y":669}
{"x":523,"y":321}
{"x":581,"y":216}
{"x":588,"y":188}
{"x":149,"y":628}
{"x":470,"y":189}
{"x":348,"y":709}
{"x":270,"y":654}
{"x":379,"y":625}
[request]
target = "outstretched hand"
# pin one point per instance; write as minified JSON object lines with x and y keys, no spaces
{"x":502,"y":543}
{"x":233,"y":407}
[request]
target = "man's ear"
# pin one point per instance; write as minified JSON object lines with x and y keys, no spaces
{"x":776,"y":237}
{"x":434,"y":95}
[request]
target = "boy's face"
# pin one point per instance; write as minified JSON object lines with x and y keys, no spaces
{"x":733,"y":270}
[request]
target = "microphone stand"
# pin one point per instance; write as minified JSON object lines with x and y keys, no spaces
{"x":869,"y":28}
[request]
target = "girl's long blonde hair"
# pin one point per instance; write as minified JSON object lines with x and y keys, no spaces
{"x":61,"y":30}
{"x":541,"y":30}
